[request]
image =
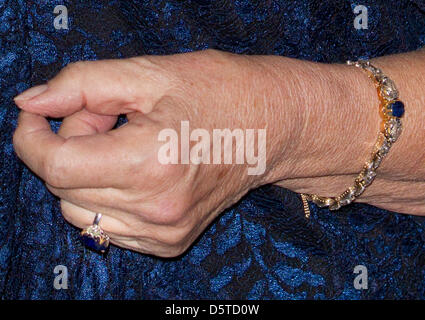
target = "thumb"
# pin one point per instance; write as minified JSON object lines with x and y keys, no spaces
{"x":107,"y":87}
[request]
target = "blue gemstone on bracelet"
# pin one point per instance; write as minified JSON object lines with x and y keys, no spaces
{"x":397,"y":109}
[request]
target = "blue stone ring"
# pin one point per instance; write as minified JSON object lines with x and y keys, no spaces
{"x":94,"y":237}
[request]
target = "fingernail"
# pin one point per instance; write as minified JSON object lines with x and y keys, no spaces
{"x":31,"y":93}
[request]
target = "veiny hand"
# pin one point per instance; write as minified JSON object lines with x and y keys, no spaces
{"x":147,"y":206}
{"x":319,"y":121}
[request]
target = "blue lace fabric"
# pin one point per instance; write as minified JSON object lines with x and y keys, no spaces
{"x":262,"y":247}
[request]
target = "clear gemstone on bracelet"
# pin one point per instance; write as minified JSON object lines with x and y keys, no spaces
{"x":335,"y":205}
{"x":366,"y":66}
{"x":388,"y":89}
{"x":367,"y":180}
{"x":322,"y":201}
{"x":368,"y":174}
{"x":347,"y":196}
{"x":359,"y":187}
{"x":383,"y":146}
{"x":377,"y":73}
{"x":393,"y":129}
{"x":376,"y":160}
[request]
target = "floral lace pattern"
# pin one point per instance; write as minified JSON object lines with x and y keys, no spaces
{"x":261,"y":248}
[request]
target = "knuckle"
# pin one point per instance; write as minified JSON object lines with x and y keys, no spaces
{"x":73,"y":69}
{"x":153,"y":69}
{"x":176,"y":238}
{"x":175,"y":215}
{"x":160,"y":214}
{"x":75,"y":66}
{"x":142,"y":62}
{"x":173,"y":252}
{"x":167,"y":172}
{"x":213,"y":52}
{"x":163,"y":251}
{"x":173,"y":210}
{"x":217,"y":55}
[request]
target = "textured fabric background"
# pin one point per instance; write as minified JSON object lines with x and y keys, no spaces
{"x":262,"y":248}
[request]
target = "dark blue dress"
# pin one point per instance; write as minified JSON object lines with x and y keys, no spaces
{"x":261,"y":248}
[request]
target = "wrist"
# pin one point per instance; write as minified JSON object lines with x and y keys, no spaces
{"x":272,"y":88}
{"x":334,"y":120}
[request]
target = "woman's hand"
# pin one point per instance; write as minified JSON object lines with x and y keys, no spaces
{"x":321,"y":123}
{"x":147,"y":206}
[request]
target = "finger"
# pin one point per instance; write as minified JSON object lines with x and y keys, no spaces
{"x":108,"y":87}
{"x":141,"y":237}
{"x":121,"y":228}
{"x":93,"y":161}
{"x":35,"y":143}
{"x":118,"y":232}
{"x":83,"y":218}
{"x":85,"y":123}
{"x":112,"y":201}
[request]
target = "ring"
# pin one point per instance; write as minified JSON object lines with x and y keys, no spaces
{"x":94,"y":237}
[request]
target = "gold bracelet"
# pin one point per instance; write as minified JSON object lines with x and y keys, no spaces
{"x":391,"y":110}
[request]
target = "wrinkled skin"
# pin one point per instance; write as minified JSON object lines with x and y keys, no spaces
{"x":161,"y":209}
